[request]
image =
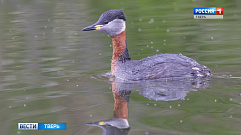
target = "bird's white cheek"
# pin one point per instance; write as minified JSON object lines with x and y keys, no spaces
{"x":114,"y":27}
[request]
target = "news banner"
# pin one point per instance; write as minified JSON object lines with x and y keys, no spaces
{"x":41,"y":126}
{"x":208,"y":13}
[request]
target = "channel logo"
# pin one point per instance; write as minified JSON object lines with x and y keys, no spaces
{"x":41,"y":126}
{"x":208,"y":13}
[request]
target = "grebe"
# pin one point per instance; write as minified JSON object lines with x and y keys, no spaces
{"x":113,"y":22}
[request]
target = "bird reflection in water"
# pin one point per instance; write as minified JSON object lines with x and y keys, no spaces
{"x":159,"y":90}
{"x":119,"y":124}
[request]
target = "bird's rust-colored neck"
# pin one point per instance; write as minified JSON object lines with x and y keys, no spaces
{"x":119,"y":45}
{"x":120,"y":52}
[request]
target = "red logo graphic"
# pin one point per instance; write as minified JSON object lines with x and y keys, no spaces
{"x":219,"y":11}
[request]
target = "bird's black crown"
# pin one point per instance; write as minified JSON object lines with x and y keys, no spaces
{"x":110,"y":15}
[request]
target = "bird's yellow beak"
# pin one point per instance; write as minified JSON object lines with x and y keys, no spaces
{"x":92,"y":27}
{"x":98,"y":27}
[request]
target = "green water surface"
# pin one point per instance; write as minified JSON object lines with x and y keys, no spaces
{"x":50,"y":71}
